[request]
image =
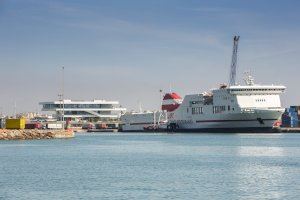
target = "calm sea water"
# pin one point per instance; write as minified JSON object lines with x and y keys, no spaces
{"x":152,"y":166}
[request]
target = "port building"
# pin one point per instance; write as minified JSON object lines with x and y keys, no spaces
{"x":93,"y":111}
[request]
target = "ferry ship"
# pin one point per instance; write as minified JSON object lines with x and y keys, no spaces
{"x":233,"y":108}
{"x":143,"y":121}
{"x":247,"y":108}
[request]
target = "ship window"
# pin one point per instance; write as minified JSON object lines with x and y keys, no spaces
{"x":197,"y":111}
{"x":228,"y":108}
{"x":219,"y":109}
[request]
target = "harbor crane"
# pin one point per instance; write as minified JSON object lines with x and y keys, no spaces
{"x":232,"y":80}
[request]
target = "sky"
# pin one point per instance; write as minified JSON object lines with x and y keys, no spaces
{"x":127,"y":50}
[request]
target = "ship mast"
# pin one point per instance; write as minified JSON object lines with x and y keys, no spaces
{"x":232,"y":80}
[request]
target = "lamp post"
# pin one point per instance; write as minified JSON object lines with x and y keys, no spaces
{"x":60,"y":109}
{"x":61,"y":99}
{"x":63,"y":94}
{"x":160,"y":98}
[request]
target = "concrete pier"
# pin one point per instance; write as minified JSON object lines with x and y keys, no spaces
{"x":290,"y":130}
{"x":29,"y":134}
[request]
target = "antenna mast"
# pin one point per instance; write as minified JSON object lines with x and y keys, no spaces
{"x":234,"y":61}
{"x":63,"y":93}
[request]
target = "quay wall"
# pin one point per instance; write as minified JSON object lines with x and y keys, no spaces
{"x":290,"y":130}
{"x":30,"y":134}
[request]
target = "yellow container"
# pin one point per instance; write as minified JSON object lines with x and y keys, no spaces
{"x":15,"y":123}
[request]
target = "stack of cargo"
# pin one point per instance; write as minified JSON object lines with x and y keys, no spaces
{"x":298,"y":114}
{"x":291,"y":116}
{"x":2,"y":122}
{"x":294,"y":113}
{"x":101,"y":126}
{"x":33,"y":125}
{"x":55,"y":125}
{"x":15,"y":123}
{"x":285,"y":119}
{"x":88,"y":126}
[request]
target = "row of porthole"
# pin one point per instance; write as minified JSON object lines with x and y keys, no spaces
{"x":260,"y":100}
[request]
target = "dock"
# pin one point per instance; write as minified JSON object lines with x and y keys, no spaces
{"x":290,"y":130}
{"x":102,"y":130}
{"x":30,"y":134}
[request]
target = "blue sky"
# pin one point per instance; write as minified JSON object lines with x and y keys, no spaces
{"x":127,"y":50}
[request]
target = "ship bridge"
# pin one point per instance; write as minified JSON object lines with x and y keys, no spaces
{"x":256,"y":89}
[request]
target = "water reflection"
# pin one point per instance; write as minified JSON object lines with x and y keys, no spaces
{"x":260,"y":151}
{"x":258,"y":174}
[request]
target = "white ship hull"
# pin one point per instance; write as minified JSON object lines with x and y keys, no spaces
{"x":243,"y":122}
{"x":138,"y":122}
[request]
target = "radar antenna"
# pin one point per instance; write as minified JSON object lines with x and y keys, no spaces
{"x":249,"y":80}
{"x":234,"y":61}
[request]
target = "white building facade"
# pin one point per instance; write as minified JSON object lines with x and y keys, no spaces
{"x":94,"y":111}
